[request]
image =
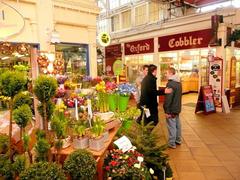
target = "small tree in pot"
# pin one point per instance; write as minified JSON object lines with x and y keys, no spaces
{"x":45,"y":88}
{"x":42,"y":146}
{"x":80,"y":165}
{"x":80,"y":141}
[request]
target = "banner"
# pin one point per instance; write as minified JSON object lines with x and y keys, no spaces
{"x":112,"y":53}
{"x":216,"y":79}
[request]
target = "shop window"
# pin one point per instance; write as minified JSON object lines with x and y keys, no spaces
{"x":134,"y":65}
{"x":126,"y":19}
{"x":154,"y":11}
{"x":140,"y":15}
{"x":75,"y":58}
{"x":115,"y":23}
{"x":102,"y":25}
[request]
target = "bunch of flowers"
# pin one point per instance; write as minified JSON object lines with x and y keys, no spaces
{"x":126,"y":89}
{"x":96,"y":80}
{"x":101,"y":87}
{"x":111,"y":87}
{"x":60,"y":107}
{"x":86,"y":82}
{"x":60,"y":92}
{"x":61,"y":79}
{"x":68,"y":85}
{"x":70,"y":102}
{"x":125,"y":165}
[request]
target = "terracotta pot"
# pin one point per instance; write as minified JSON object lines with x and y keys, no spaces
{"x":81,"y":143}
{"x":96,"y":144}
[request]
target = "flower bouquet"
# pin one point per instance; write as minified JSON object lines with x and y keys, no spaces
{"x":96,"y":80}
{"x":128,"y":165}
{"x":111,"y":88}
{"x":60,"y":92}
{"x":61,"y":79}
{"x":102,"y":97}
{"x":70,"y":102}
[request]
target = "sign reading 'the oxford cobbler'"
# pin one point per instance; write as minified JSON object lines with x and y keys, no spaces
{"x":139,"y":47}
{"x":189,"y":40}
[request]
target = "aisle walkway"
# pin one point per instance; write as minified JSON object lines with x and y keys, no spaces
{"x":211,"y":145}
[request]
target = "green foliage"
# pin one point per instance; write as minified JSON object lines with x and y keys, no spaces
{"x":20,"y":164}
{"x":50,"y":109}
{"x":4,"y":140}
{"x":43,"y":171}
{"x":169,"y":172}
{"x":11,"y":83}
{"x":6,"y":171}
{"x":26,"y":140}
{"x":21,"y":67}
{"x":58,"y":144}
{"x":22,"y":115}
{"x":80,"y":129}
{"x":127,"y":118}
{"x":40,"y":134}
{"x":97,"y":127}
{"x":22,"y":98}
{"x":45,"y":88}
{"x":80,"y":165}
{"x":42,"y":146}
{"x":59,"y":124}
{"x":146,"y":143}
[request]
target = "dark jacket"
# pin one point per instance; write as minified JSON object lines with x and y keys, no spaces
{"x":173,"y":101}
{"x":149,"y":91}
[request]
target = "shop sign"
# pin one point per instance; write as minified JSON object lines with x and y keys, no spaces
{"x":104,"y":39}
{"x":215,"y":79}
{"x":11,"y":21}
{"x":190,"y":40}
{"x":112,"y":53}
{"x":139,"y":47}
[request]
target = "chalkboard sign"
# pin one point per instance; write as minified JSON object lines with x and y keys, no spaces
{"x":205,"y":100}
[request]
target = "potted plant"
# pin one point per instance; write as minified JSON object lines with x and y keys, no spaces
{"x":96,"y":142}
{"x":112,"y":96}
{"x":42,"y":146}
{"x":80,"y":165}
{"x":22,"y":98}
{"x":4,"y":141}
{"x":20,"y":164}
{"x":11,"y":83}
{"x":43,"y":170}
{"x":169,"y":173}
{"x":6,"y":170}
{"x":45,"y":88}
{"x":80,"y":141}
{"x":102,"y":97}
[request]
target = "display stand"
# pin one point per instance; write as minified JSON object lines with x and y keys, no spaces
{"x":205,"y":101}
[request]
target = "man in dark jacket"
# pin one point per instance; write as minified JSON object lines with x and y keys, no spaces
{"x":172,"y":107}
{"x":149,"y":94}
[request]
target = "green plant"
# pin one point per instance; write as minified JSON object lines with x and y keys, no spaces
{"x":98,"y":127}
{"x":42,"y":146}
{"x":45,"y":88}
{"x":80,"y":165}
{"x":6,"y":171}
{"x":11,"y":83}
{"x":169,"y":172}
{"x":43,"y":170}
{"x":49,"y":111}
{"x":22,"y":98}
{"x":40,"y":134}
{"x":26,"y":141}
{"x":20,"y":164}
{"x":4,"y":141}
{"x":80,"y":129}
{"x":22,"y":115}
{"x":146,"y":143}
{"x":21,"y":67}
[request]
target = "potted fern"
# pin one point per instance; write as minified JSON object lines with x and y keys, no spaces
{"x":80,"y":140}
{"x":96,"y":142}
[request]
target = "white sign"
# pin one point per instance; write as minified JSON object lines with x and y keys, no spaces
{"x":123,"y":143}
{"x":104,"y":39}
{"x":11,"y":21}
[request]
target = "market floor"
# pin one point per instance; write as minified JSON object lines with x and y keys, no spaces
{"x":211,"y":144}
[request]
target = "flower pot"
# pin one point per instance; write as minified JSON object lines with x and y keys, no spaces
{"x":66,"y":142}
{"x":112,"y":102}
{"x":123,"y":103}
{"x":96,"y":144}
{"x":81,"y":143}
{"x":106,"y":136}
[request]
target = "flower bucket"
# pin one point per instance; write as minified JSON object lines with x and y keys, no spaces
{"x":123,"y":102}
{"x":112,"y":102}
{"x":103,"y":102}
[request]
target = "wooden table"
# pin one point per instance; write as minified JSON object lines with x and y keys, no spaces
{"x":98,"y":155}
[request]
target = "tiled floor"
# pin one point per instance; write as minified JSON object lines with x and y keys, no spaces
{"x":211,"y":145}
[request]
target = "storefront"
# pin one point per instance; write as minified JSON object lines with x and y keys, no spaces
{"x":188,"y":53}
{"x":136,"y":54}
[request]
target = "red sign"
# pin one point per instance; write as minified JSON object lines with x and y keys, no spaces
{"x":112,"y":53}
{"x":189,"y":40}
{"x":139,"y":47}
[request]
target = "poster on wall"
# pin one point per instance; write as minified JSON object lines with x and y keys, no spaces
{"x":216,"y":80}
{"x":232,"y":82}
